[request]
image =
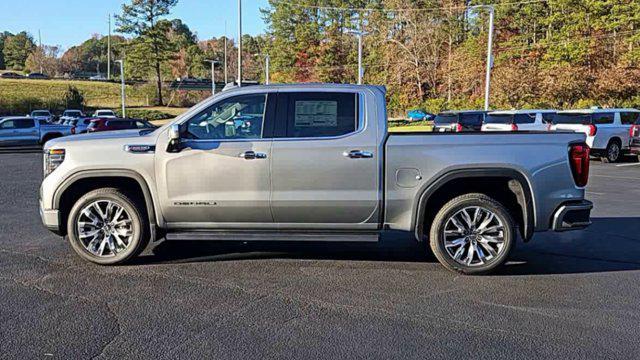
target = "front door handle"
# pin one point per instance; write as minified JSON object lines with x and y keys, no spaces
{"x":252,"y":155}
{"x":358,"y":154}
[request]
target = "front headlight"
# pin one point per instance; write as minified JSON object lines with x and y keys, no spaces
{"x":52,"y":159}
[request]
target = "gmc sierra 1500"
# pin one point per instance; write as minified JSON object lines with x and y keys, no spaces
{"x":311,"y":162}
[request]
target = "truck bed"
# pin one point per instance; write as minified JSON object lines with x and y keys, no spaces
{"x":540,"y":157}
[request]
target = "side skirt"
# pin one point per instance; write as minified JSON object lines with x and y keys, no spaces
{"x":273,"y":236}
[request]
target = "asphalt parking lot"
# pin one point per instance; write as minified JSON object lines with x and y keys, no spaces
{"x":570,"y":295}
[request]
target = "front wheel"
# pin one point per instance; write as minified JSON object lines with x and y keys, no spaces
{"x":107,"y":227}
{"x":472,"y":234}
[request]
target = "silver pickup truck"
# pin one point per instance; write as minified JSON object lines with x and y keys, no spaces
{"x":311,"y":163}
{"x":28,"y":131}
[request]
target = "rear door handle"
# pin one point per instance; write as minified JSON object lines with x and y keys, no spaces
{"x":358,"y":154}
{"x":252,"y":155}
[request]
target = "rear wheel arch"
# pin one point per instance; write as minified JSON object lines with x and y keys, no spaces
{"x":518,"y":197}
{"x":78,"y":184}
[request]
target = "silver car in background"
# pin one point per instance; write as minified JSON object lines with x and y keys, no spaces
{"x":518,"y":120}
{"x":608,"y":130}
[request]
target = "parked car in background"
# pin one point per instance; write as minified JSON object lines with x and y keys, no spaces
{"x":71,"y":114}
{"x":11,"y":75}
{"x":419,"y":115}
{"x":110,"y":124}
{"x":81,"y":124}
{"x":515,"y":120}
{"x":28,"y":131}
{"x":98,"y":77}
{"x":38,"y":76}
{"x":104,"y":113}
{"x":313,"y":168}
{"x":459,"y":121}
{"x":608,"y":130}
{"x":634,"y":143}
{"x":42,"y":115}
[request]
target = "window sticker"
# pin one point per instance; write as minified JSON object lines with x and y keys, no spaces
{"x":316,"y":114}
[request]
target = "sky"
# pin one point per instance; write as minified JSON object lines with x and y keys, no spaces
{"x":70,"y":22}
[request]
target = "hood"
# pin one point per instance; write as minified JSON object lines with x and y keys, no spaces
{"x":97,"y":136}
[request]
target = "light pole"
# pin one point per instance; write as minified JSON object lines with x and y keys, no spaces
{"x":267,"y":61}
{"x":213,"y":75}
{"x":239,"y":43}
{"x":226,"y":77}
{"x":109,"y":51}
{"x":360,"y":35}
{"x":122,"y":92}
{"x":487,"y":81}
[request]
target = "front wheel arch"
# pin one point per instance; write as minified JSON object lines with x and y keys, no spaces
{"x":81,"y":183}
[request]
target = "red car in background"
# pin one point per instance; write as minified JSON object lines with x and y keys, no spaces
{"x":110,"y":124}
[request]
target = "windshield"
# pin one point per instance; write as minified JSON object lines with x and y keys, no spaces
{"x":498,"y":119}
{"x":446,"y":119}
{"x":40,"y":113}
{"x":572,"y":118}
{"x":105,"y":113}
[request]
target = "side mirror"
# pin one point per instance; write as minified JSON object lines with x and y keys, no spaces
{"x":174,"y":132}
{"x":174,"y":139}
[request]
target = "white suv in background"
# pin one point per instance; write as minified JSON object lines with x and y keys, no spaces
{"x":608,"y":130}
{"x":515,"y":120}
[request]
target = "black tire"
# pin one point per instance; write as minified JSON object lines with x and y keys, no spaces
{"x":611,"y":155}
{"x":437,"y":236}
{"x":139,"y":224}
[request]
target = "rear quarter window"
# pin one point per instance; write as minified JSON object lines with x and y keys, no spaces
{"x":629,"y":118}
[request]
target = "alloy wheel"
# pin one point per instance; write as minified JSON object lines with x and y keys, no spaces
{"x":474,"y":236}
{"x":104,"y":228}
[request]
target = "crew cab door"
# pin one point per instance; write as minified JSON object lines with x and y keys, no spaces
{"x":325,"y":164}
{"x":219,"y":177}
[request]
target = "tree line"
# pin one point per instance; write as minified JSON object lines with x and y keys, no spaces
{"x":428,"y":53}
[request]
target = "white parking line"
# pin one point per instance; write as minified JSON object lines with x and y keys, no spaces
{"x":634,"y":164}
{"x":617,"y":177}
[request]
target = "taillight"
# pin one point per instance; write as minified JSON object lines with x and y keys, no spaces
{"x":634,"y":131}
{"x":514,"y":127}
{"x":592,"y":130}
{"x":73,"y":130}
{"x":579,"y":161}
{"x":458,"y":128}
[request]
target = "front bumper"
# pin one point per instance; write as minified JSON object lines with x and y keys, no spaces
{"x":50,"y":219}
{"x":572,"y":216}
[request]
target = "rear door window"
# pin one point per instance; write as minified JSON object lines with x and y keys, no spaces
{"x":319,"y":115}
{"x":25,"y":124}
{"x":603,"y":118}
{"x":547,"y":118}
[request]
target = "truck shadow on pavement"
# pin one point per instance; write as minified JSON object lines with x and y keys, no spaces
{"x":610,"y":244}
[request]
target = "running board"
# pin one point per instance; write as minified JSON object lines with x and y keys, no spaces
{"x":273,"y":236}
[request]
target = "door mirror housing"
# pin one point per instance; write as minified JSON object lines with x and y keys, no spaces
{"x":174,"y":132}
{"x":174,"y":138}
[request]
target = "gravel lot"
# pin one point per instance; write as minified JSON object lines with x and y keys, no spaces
{"x":570,"y":295}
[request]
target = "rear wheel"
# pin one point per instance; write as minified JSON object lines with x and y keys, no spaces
{"x":107,"y":227}
{"x":472,"y":234}
{"x":613,"y":152}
